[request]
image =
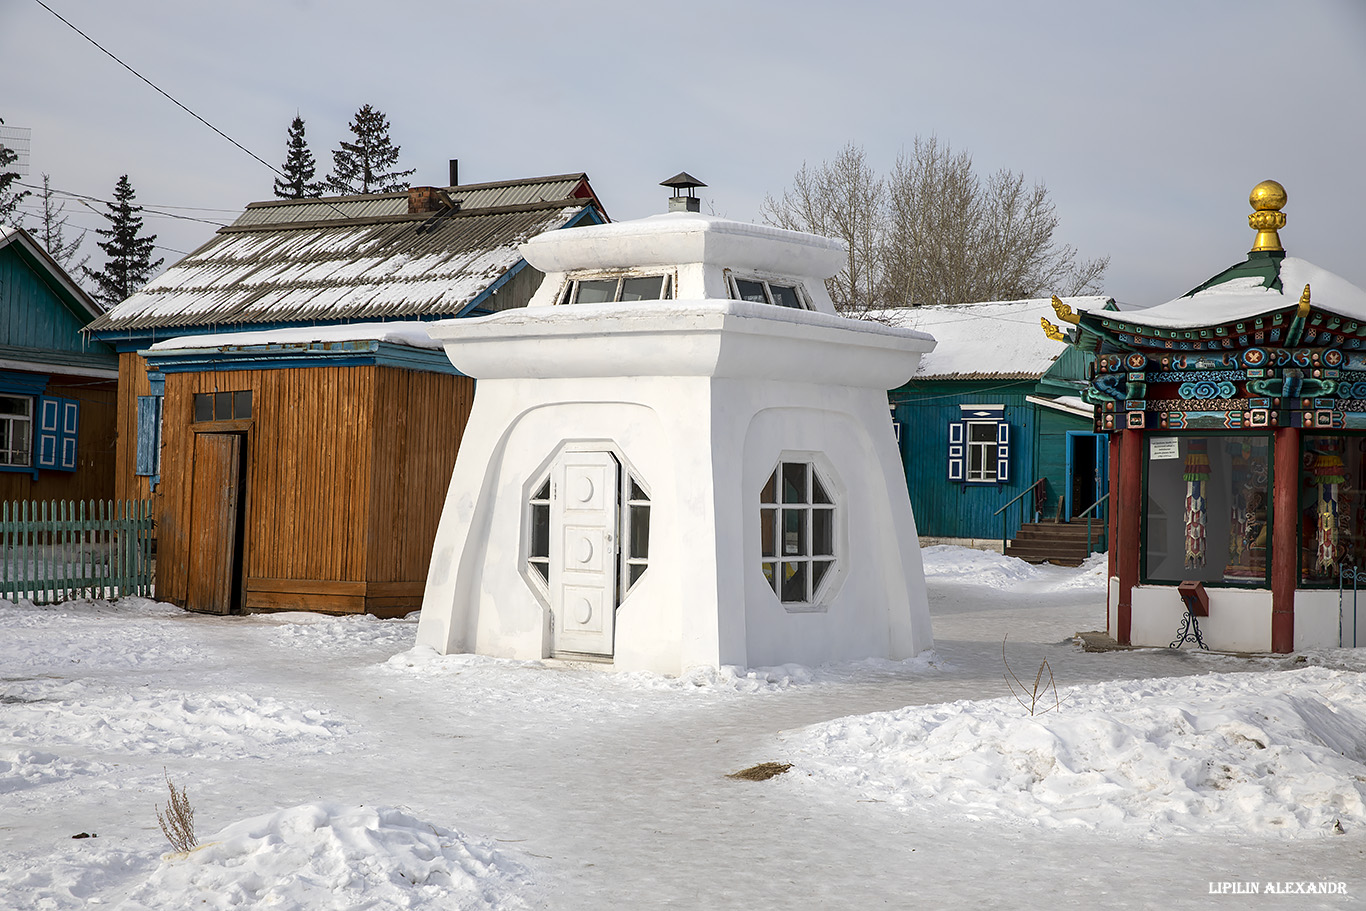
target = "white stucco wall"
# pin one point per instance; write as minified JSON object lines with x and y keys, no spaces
{"x":1239,"y":619}
{"x":743,"y":385}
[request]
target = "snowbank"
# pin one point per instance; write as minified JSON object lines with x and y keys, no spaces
{"x":949,"y":562}
{"x":329,"y":856}
{"x":1266,"y":753}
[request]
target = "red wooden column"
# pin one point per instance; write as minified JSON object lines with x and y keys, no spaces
{"x":1112,"y":539}
{"x":1128,"y":527}
{"x":1285,"y":506}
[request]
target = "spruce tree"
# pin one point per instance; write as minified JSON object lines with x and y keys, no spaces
{"x":51,"y":231}
{"x":129,"y":265}
{"x":299,"y":167}
{"x":10,"y":198}
{"x":363,"y":166}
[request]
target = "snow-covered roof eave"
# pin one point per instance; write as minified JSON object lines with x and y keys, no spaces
{"x":1246,"y":298}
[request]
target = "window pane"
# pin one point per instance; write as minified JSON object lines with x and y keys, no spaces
{"x":794,"y":482}
{"x":10,"y":404}
{"x":544,"y":492}
{"x":785,"y":296}
{"x":768,"y":527}
{"x":636,"y":491}
{"x":750,"y":290}
{"x":542,"y":569}
{"x":634,"y":572}
{"x":1206,"y":514}
{"x":770,"y":492}
{"x":794,"y":533}
{"x":241,"y":404}
{"x":668,"y":291}
{"x":982,"y":433}
{"x":203,"y":406}
{"x":818,"y":494}
{"x":540,"y":530}
{"x":222,"y":406}
{"x":597,"y":291}
{"x":649,"y":288}
{"x":771,"y":575}
{"x":818,"y":570}
{"x":794,"y":582}
{"x":640,"y":532}
{"x":823,"y":532}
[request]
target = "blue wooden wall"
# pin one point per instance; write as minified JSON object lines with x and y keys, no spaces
{"x":36,"y":312}
{"x":953,"y":509}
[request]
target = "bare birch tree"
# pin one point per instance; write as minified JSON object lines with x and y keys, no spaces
{"x":843,"y":199}
{"x":933,"y":231}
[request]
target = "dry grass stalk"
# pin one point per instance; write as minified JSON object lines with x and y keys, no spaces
{"x":177,"y":822}
{"x":1031,"y":696}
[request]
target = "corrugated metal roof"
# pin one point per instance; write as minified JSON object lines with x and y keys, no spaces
{"x":364,"y":268}
{"x":471,"y":196}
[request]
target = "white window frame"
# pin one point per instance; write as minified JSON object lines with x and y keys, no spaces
{"x":10,"y":423}
{"x":569,"y":294}
{"x":732,"y":286}
{"x":780,"y":548}
{"x":985,"y":449}
{"x":994,"y":454}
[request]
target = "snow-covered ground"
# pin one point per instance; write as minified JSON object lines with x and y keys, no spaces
{"x":330,"y":765}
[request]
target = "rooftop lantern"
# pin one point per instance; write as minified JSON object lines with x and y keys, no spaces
{"x":679,"y":202}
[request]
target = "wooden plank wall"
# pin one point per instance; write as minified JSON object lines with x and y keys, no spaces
{"x":93,"y":478}
{"x":952,"y":509}
{"x":419,"y":421}
{"x":308,"y":472}
{"x":133,"y":382}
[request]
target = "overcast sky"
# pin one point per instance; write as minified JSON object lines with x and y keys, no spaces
{"x":1149,"y":122}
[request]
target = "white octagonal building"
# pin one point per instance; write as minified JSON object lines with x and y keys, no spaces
{"x":679,"y":456}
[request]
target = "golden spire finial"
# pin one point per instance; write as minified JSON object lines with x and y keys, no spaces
{"x":1267,"y":198}
{"x":1303,"y":309}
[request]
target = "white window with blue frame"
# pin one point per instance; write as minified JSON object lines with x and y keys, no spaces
{"x":979,"y":445}
{"x":36,"y":431}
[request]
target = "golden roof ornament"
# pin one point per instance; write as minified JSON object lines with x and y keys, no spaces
{"x":1065,"y":312}
{"x":1052,"y":331}
{"x":1267,"y":198}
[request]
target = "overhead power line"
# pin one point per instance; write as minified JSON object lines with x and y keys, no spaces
{"x":165,"y":95}
{"x":150,"y":210}
{"x":158,"y":88}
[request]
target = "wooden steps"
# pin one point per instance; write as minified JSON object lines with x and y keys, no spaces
{"x":1063,"y":543}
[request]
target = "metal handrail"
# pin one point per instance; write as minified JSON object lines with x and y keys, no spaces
{"x":1086,"y":514}
{"x":998,"y":512}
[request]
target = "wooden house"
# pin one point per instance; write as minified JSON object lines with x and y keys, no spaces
{"x":993,"y":411}
{"x":281,"y":401}
{"x":57,"y":388}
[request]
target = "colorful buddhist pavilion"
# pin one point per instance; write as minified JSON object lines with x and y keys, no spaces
{"x":1236,"y":417}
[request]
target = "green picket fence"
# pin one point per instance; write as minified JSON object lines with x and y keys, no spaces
{"x":61,"y":549}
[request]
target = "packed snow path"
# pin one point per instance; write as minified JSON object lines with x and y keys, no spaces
{"x":550,"y":786}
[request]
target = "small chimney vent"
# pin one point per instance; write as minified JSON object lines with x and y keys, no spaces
{"x":680,"y":182}
{"x":455,"y":172}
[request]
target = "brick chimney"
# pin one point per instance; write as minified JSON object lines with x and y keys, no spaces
{"x":428,"y":199}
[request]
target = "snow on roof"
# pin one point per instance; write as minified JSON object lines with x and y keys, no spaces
{"x":363,"y":268}
{"x":1242,"y":298}
{"x":996,"y":340}
{"x":412,"y":333}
